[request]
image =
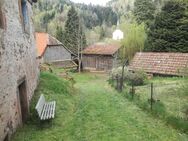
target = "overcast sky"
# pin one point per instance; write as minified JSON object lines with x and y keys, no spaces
{"x":100,"y":2}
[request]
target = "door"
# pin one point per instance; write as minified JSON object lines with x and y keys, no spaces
{"x":22,"y":102}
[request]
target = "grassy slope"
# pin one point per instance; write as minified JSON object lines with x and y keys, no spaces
{"x":94,"y":113}
{"x":172,"y":103}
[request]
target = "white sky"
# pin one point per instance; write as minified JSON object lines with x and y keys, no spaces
{"x":99,"y":2}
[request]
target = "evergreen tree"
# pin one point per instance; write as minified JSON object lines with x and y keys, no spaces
{"x":144,"y":11}
{"x":72,"y":30}
{"x":169,"y":32}
{"x":75,"y":38}
{"x":60,"y":34}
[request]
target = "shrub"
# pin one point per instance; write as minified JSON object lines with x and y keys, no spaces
{"x":136,"y":78}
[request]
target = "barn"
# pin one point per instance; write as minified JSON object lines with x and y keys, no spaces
{"x":157,"y":63}
{"x":100,"y":57}
{"x":52,"y":51}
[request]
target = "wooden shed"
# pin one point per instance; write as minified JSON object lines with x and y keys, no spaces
{"x":160,"y":63}
{"x":100,"y":57}
{"x":52,"y":51}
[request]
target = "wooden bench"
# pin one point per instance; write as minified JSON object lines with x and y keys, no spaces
{"x":45,"y":110}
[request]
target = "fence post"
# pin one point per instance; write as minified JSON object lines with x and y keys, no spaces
{"x":132,"y":91}
{"x":151,"y":96}
{"x":117,"y":82}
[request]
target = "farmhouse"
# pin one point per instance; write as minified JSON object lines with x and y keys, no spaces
{"x":118,"y":34}
{"x":51,"y":50}
{"x":18,"y":64}
{"x":170,"y":64}
{"x":100,"y":57}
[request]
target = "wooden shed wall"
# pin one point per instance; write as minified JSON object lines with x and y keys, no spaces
{"x":98,"y":62}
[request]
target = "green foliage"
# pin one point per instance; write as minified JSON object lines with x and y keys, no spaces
{"x":137,"y":79}
{"x":96,"y":15}
{"x":169,"y":33}
{"x":60,"y":34}
{"x":122,"y":7}
{"x":93,"y":113}
{"x":133,"y":42}
{"x":55,"y":11}
{"x":169,"y":103}
{"x":144,"y":11}
{"x":74,"y":34}
{"x":178,"y":123}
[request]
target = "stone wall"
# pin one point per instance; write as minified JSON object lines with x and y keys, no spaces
{"x":56,"y":53}
{"x":17,"y":63}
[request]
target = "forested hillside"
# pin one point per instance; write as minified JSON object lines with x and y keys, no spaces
{"x":96,"y":20}
{"x":152,"y":25}
{"x":142,"y":21}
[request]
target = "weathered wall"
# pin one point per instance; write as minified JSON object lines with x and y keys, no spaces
{"x":54,"y":53}
{"x":17,"y":62}
{"x":98,"y":62}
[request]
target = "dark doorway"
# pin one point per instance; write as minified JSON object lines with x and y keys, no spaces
{"x":6,"y":138}
{"x":23,"y":103}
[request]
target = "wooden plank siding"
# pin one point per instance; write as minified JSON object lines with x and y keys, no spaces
{"x":98,"y":62}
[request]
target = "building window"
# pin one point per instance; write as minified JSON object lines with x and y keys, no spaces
{"x":1,"y":19}
{"x":24,"y":14}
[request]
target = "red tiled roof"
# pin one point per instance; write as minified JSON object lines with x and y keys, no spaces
{"x":101,"y":49}
{"x":43,"y":40}
{"x":160,"y":63}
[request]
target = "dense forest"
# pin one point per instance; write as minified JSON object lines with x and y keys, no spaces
{"x":96,"y":21}
{"x":149,"y":25}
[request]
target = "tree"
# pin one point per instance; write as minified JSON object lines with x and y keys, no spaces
{"x":60,"y":35}
{"x":72,"y":30}
{"x":144,"y":11}
{"x":133,"y":43}
{"x":75,"y":39}
{"x":169,"y":33}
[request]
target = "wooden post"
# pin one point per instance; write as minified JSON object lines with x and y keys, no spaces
{"x":151,"y":96}
{"x":132,"y":91}
{"x":117,"y":82}
{"x":122,"y":79}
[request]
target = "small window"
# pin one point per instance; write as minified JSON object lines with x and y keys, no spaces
{"x":24,"y":14}
{"x":1,"y":19}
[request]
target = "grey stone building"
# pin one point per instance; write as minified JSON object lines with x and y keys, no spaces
{"x":18,"y":64}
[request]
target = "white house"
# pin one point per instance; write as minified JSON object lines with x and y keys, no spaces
{"x":118,"y":35}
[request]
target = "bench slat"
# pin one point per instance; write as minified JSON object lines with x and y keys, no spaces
{"x":40,"y":105}
{"x":51,"y":110}
{"x":43,"y":112}
{"x":46,"y":110}
{"x":53,"y":115}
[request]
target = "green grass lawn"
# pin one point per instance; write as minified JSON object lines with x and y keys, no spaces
{"x":171,"y":104}
{"x":92,"y":111}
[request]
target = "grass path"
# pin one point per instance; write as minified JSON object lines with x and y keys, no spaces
{"x":96,"y":113}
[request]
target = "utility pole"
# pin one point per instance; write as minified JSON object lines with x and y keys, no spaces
{"x":79,"y":45}
{"x":46,"y":18}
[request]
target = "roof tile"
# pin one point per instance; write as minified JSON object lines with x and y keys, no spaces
{"x":101,"y":49}
{"x":160,"y":63}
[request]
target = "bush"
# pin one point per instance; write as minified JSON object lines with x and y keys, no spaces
{"x":136,"y":78}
